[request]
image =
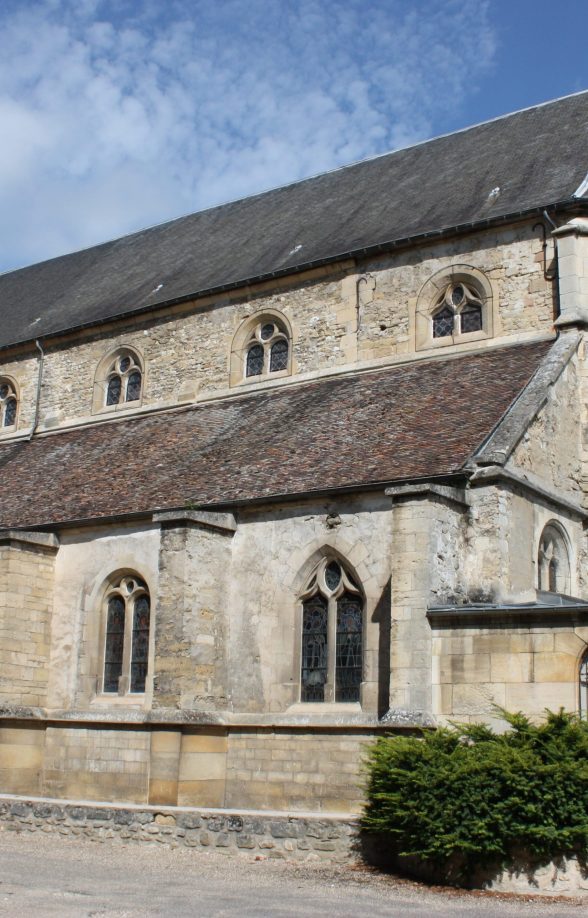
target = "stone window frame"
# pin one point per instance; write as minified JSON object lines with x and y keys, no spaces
{"x":430,"y":301}
{"x":315,"y":583}
{"x":247,"y":335}
{"x":12,"y":394}
{"x":583,"y":685}
{"x":554,"y":569}
{"x":116,"y":585}
{"x":109,"y":367}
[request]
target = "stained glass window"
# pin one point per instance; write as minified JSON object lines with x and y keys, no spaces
{"x":255,"y":360}
{"x":113,"y":391}
{"x":457,"y":295}
{"x":266,"y":332}
{"x":471,"y":318}
{"x":124,"y":364}
{"x":126,"y":646}
{"x":349,"y":650}
{"x":8,"y":405}
{"x":140,"y":644}
{"x":134,"y":386}
{"x":279,"y":356}
{"x":443,"y":323}
{"x":314,"y":648}
{"x":114,"y":649}
{"x":331,"y":606}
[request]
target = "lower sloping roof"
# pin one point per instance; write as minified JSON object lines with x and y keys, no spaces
{"x":404,"y":422}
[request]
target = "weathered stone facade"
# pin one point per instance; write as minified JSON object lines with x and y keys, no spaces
{"x":459,"y":534}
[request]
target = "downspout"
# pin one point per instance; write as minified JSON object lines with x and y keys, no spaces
{"x":555,"y":276}
{"x":39,"y":384}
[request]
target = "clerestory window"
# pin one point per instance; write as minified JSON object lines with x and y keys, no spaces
{"x":458,"y":311}
{"x":267,"y":350}
{"x":123,"y":380}
{"x":126,"y":639}
{"x":8,"y":404}
{"x":332,"y":636}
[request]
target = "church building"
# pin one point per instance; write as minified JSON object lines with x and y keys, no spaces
{"x":296,"y":471}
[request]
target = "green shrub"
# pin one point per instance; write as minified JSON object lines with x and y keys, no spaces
{"x":468,"y":796}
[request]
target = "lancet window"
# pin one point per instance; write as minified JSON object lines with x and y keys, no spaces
{"x":267,"y":349}
{"x":332,"y":636}
{"x":126,"y":643}
{"x":553,"y":561}
{"x":8,"y":404}
{"x":459,"y":310}
{"x":124,"y":380}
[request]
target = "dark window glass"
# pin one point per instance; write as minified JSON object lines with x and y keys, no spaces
{"x":140,"y":646}
{"x":457,"y":295}
{"x":314,"y":648}
{"x":113,"y":391}
{"x":125,"y":364}
{"x":266,"y":331}
{"x":4,"y":391}
{"x":471,"y":318}
{"x":279,"y":356}
{"x":115,"y":638}
{"x":255,"y":360}
{"x":348,"y":656}
{"x":134,"y":386}
{"x":443,"y":323}
{"x":10,"y":412}
{"x":332,"y":575}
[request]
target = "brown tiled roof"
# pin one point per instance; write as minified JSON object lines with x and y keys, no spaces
{"x":410,"y":421}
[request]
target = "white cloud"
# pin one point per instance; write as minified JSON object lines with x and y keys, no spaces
{"x":115,"y":115}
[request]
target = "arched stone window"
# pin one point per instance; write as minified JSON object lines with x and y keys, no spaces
{"x":8,"y":404}
{"x":261,"y":349}
{"x":119,"y":380}
{"x":584,"y":686}
{"x":126,"y":636}
{"x":332,"y":635}
{"x":458,"y":310}
{"x":455,"y":306}
{"x":553,"y":560}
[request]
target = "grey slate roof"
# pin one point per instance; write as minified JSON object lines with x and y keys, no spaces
{"x":537,"y":157}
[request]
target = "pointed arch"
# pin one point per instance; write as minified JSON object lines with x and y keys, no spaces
{"x":553,"y":559}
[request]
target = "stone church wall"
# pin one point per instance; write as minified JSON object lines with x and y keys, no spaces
{"x":341,"y":316}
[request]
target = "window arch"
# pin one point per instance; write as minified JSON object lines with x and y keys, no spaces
{"x":261,"y":349}
{"x":458,"y":311}
{"x":332,"y":635}
{"x":127,"y":612}
{"x":553,"y":561}
{"x":8,"y":404}
{"x":584,"y":686}
{"x":119,"y":380}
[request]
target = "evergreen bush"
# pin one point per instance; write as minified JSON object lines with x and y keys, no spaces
{"x":468,"y":797}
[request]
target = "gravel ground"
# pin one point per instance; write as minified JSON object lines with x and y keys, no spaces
{"x":46,"y":875}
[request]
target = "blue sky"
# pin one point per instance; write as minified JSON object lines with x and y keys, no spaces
{"x":117,"y":114}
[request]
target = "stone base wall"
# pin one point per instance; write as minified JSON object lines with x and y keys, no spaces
{"x":275,"y":835}
{"x":300,"y":769}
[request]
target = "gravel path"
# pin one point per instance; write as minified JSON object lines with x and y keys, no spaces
{"x":43,"y":875}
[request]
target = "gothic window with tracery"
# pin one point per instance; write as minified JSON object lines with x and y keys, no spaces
{"x":553,"y":561}
{"x":124,"y":379}
{"x":8,"y":404}
{"x":459,"y":310}
{"x":126,"y":642}
{"x":267,"y":349}
{"x":584,"y":686}
{"x":332,"y":636}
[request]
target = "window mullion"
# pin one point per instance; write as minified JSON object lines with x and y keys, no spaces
{"x":124,"y":682}
{"x":332,"y":648}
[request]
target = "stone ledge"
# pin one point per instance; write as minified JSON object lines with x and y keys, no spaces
{"x":45,"y":541}
{"x":209,"y":518}
{"x":272,"y":834}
